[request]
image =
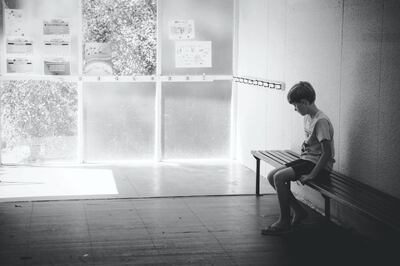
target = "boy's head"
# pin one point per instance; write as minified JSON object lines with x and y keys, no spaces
{"x":301,"y":91}
{"x":302,"y":96}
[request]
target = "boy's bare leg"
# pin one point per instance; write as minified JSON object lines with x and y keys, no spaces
{"x":281,"y":180}
{"x":298,"y":211}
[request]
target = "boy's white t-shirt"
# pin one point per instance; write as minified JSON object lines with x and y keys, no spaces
{"x":317,"y":129}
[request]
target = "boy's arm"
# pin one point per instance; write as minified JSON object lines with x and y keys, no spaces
{"x":326,"y":153}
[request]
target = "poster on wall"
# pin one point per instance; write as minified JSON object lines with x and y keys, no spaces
{"x":19,"y":45}
{"x":59,"y":45}
{"x":56,"y":26}
{"x":97,"y":58}
{"x":181,"y":29}
{"x":191,"y":54}
{"x":56,"y":66}
{"x":14,"y":22}
{"x":19,"y":65}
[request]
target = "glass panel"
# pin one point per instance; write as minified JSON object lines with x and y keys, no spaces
{"x":119,"y":120}
{"x":47,"y":52}
{"x":130,"y":28}
{"x":196,"y":120}
{"x":38,"y":121}
{"x":213,"y":21}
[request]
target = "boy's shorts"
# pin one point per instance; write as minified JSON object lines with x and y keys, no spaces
{"x":304,"y":167}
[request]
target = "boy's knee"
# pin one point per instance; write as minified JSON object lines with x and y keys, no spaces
{"x":271,"y":177}
{"x":280,"y":179}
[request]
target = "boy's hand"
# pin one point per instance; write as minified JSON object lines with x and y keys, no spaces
{"x":305,"y":178}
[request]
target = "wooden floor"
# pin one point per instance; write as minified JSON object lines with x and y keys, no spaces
{"x":215,"y":230}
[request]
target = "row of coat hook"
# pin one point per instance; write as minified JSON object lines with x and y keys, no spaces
{"x":260,"y":82}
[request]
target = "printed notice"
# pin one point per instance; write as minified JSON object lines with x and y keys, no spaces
{"x":56,"y":26}
{"x":191,"y":54}
{"x":19,"y":65}
{"x":98,"y":59}
{"x":59,"y":45}
{"x":56,"y":66}
{"x":19,"y":45}
{"x":181,"y":30}
{"x":14,"y":22}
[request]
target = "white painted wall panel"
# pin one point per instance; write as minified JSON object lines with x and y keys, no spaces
{"x":313,"y":54}
{"x":278,"y":111}
{"x":276,"y":39}
{"x":389,"y":102}
{"x":251,"y":100}
{"x":360,"y":90}
{"x":261,"y":111}
{"x":252,"y":38}
{"x":251,"y":122}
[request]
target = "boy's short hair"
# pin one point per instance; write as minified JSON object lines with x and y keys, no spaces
{"x":302,"y":90}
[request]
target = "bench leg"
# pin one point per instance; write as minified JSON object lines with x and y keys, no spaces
{"x":327,"y":207}
{"x":257,"y":177}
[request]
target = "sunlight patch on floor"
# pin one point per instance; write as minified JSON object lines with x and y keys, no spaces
{"x":47,"y":181}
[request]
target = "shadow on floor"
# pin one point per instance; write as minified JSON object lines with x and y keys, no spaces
{"x":325,"y":243}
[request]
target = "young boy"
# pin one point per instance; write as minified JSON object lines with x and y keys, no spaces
{"x":316,"y":160}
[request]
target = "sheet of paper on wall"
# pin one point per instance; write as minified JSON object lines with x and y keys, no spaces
{"x":19,"y":45}
{"x":56,"y":26}
{"x":56,"y":66}
{"x":19,"y":65}
{"x":181,"y":30}
{"x":193,"y":54}
{"x":14,"y":22}
{"x":59,"y":45}
{"x":97,"y":58}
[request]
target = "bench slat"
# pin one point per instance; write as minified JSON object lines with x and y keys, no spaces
{"x":287,"y":156}
{"x":365,"y":188}
{"x":382,"y":217}
{"x":368,"y":197}
{"x":276,"y":158}
{"x":265,"y":157}
{"x":353,"y":195}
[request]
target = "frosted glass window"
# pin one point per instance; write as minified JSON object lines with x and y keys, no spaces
{"x":38,"y":121}
{"x":196,"y":120}
{"x":213,"y":21}
{"x":119,"y":120}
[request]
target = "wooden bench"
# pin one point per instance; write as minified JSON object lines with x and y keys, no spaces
{"x":343,"y":189}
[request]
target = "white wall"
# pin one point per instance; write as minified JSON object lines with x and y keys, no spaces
{"x":260,"y":111}
{"x":250,"y":61}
